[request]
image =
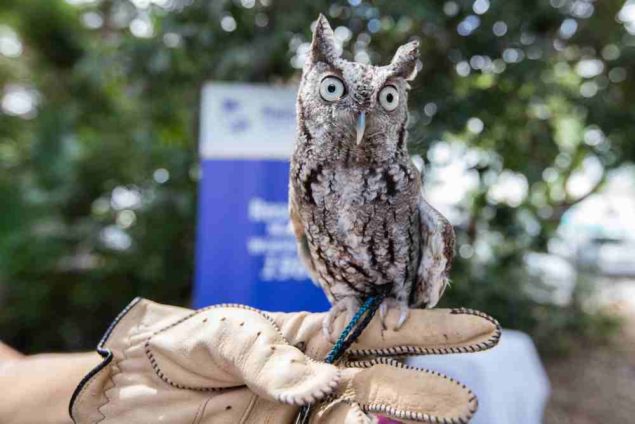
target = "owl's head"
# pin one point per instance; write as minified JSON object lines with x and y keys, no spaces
{"x":352,"y":111}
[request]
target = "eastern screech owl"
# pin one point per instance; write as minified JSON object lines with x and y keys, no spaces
{"x":356,"y":201}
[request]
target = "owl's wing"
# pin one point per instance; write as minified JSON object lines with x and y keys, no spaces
{"x":302,"y":242}
{"x":437,"y":253}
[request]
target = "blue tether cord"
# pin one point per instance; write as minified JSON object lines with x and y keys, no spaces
{"x":344,"y":341}
{"x":348,"y":336}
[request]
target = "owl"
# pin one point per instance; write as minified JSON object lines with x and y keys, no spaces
{"x":356,"y":202}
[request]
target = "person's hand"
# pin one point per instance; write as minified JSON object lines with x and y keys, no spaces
{"x":234,"y":364}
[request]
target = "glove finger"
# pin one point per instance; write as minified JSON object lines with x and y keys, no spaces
{"x":394,"y":390}
{"x":430,"y":331}
{"x":339,"y":411}
{"x":230,"y":346}
{"x":426,"y":331}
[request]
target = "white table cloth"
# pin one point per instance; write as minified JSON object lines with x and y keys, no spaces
{"x":509,"y":380}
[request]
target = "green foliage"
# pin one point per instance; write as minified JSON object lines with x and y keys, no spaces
{"x":117,"y":85}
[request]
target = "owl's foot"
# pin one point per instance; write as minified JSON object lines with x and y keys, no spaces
{"x":349,"y":305}
{"x":391,"y":303}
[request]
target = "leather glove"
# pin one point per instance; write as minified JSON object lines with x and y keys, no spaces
{"x":235,"y":364}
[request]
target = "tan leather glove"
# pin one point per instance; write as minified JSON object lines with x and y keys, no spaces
{"x":234,"y":364}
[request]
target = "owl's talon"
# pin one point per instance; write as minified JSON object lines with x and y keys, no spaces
{"x":404,"y":311}
{"x":385,"y":308}
{"x":348,"y":305}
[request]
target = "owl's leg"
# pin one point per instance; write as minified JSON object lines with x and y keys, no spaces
{"x":389,"y":303}
{"x":349,"y":305}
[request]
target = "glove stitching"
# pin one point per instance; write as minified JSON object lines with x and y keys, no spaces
{"x":294,"y":400}
{"x":157,"y":369}
{"x":413,"y":415}
{"x":80,"y":395}
{"x":320,"y":394}
{"x":116,"y":370}
{"x":362,"y":418}
{"x":106,"y":363}
{"x":418,"y":350}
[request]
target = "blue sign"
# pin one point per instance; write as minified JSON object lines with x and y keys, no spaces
{"x":246,"y":251}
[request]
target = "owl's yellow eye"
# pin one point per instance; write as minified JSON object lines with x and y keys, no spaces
{"x":331,"y":88}
{"x":389,"y":98}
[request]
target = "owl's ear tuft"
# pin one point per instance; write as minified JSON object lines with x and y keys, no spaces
{"x":404,"y":63}
{"x":323,"y":46}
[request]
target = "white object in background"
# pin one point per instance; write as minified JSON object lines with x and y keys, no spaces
{"x":553,"y":278}
{"x":247,"y":121}
{"x":509,"y":380}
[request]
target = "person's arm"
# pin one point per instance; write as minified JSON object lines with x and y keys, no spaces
{"x":36,"y":389}
{"x":7,"y":353}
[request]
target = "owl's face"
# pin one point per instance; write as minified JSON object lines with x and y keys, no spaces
{"x":354,"y":112}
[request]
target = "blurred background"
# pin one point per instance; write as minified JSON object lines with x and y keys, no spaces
{"x":523,"y":112}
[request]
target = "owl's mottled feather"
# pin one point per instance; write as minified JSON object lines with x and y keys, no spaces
{"x":356,"y":201}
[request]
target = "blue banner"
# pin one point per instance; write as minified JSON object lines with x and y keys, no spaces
{"x":246,"y":251}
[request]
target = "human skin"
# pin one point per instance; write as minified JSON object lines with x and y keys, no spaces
{"x":36,"y":389}
{"x":57,"y":375}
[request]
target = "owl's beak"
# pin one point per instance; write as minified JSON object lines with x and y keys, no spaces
{"x":361,"y":126}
